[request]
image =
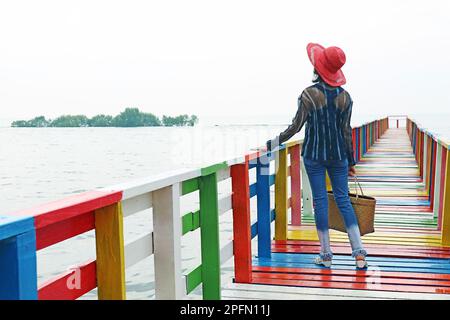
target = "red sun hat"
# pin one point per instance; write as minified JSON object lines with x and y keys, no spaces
{"x":328,"y":63}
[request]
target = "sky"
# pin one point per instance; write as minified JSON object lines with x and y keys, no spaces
{"x":218,"y":58}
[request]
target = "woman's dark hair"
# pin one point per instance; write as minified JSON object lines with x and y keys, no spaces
{"x":316,"y":77}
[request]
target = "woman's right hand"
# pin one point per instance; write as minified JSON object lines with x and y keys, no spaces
{"x":351,"y":171}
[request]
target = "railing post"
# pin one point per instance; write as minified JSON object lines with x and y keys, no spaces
{"x":263,"y":204}
{"x":437,"y":184}
{"x":446,"y":202}
{"x":281,"y":196}
{"x":307,"y":199}
{"x":425,"y":160}
{"x":110,"y":252}
{"x":209,"y":232}
{"x":18,"y":278}
{"x":296,"y":207}
{"x":241,"y":223}
{"x":167,"y":242}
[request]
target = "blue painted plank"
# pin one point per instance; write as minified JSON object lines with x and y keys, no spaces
{"x":263,"y":207}
{"x":18,"y":275}
{"x":11,"y":226}
{"x":252,"y":190}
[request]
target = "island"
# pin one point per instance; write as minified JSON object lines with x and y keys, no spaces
{"x":130,"y":117}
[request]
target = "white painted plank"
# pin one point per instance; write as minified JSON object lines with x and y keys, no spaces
{"x":223,"y":174}
{"x":437,"y":181}
{"x":306,"y":191}
{"x":224,"y":204}
{"x":136,"y":204}
{"x":138,"y":249}
{"x":152,"y":183}
{"x":276,"y":290}
{"x":167,"y":242}
{"x":226,"y":252}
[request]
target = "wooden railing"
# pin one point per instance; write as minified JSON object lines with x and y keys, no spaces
{"x":24,"y":233}
{"x":433,"y":157}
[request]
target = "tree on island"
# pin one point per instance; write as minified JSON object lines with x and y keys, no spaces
{"x":35,"y":122}
{"x":130,"y":117}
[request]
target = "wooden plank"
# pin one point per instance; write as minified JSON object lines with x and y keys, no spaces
{"x":154,"y":182}
{"x":71,"y":285}
{"x":110,"y":252}
{"x":209,"y":233}
{"x":224,"y":204}
{"x":167,"y":242}
{"x":138,"y":249}
{"x":446,"y":203}
{"x":70,"y":207}
{"x":263,"y":206}
{"x":241,"y":223}
{"x":190,"y":222}
{"x":189,"y":186}
{"x":65,"y":229}
{"x":281,"y":195}
{"x":306,"y":192}
{"x":295,"y":202}
{"x":136,"y":204}
{"x":18,"y":274}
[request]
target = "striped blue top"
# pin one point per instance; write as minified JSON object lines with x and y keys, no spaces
{"x":327,"y":112}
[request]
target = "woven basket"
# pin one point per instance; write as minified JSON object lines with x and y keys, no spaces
{"x":364,"y":207}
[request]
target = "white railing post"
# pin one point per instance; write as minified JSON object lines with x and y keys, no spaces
{"x":167,"y":242}
{"x":306,"y":192}
{"x":437,"y":181}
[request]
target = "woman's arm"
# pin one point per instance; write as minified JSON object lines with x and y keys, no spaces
{"x":297,"y":123}
{"x":347,"y":131}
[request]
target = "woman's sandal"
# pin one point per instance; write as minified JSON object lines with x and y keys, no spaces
{"x":319,"y":261}
{"x":361,"y":262}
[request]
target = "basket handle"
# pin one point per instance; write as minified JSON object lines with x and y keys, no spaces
{"x":359,"y":185}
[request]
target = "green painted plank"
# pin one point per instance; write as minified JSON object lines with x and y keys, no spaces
{"x":190,"y":221}
{"x":209,"y":230}
{"x":213,"y":168}
{"x":193,"y":279}
{"x":189,"y":186}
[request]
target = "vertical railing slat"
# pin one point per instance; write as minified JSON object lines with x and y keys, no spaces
{"x":446,"y":202}
{"x":263,"y":206}
{"x":167,"y":243}
{"x":281,"y":194}
{"x":110,"y":253}
{"x":209,"y":231}
{"x":241,"y":223}
{"x":18,"y":274}
{"x":296,"y":209}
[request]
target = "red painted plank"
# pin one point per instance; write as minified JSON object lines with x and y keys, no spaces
{"x":368,"y":273}
{"x":433,"y":249}
{"x":56,"y":211}
{"x":371,"y":252}
{"x":352,"y":286}
{"x":442,"y":186}
{"x":65,"y":229}
{"x":296,"y":217}
{"x":374,"y":277}
{"x":70,"y":285}
{"x":241,"y":223}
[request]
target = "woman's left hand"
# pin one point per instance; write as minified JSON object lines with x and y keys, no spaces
{"x":351,"y":171}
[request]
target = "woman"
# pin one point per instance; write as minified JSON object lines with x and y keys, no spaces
{"x":326,"y":108}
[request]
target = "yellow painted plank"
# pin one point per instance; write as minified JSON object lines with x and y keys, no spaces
{"x":110,"y":253}
{"x":281,"y":196}
{"x":446,"y":204}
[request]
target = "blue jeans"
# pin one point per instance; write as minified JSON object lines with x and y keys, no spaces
{"x":338,"y":173}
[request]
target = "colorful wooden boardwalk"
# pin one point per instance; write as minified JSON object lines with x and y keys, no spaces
{"x":408,"y":171}
{"x":405,"y":252}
